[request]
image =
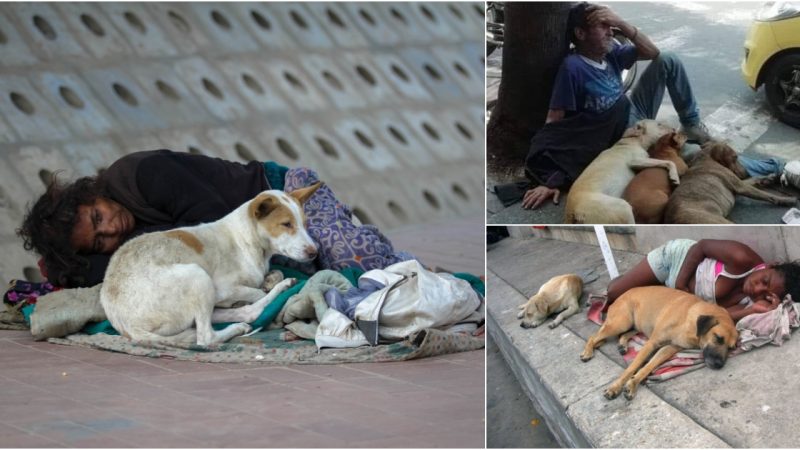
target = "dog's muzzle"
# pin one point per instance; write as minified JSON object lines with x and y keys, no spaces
{"x":713,"y":358}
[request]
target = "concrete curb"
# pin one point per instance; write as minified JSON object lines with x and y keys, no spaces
{"x":579,"y":415}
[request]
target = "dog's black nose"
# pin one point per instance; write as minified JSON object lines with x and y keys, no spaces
{"x":311,"y":251}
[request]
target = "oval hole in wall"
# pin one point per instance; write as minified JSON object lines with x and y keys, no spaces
{"x":126,"y":95}
{"x":167,"y":90}
{"x":463,"y":130}
{"x":367,"y":16}
{"x":459,"y":15}
{"x":32,"y":274}
{"x":479,"y":10}
{"x":327,"y":148}
{"x":398,"y":16}
{"x":194,"y":150}
{"x":244,"y":152}
{"x":333,"y":81}
{"x":397,"y":135}
{"x":212,"y":89}
{"x":134,"y":22}
{"x":70,"y":97}
{"x":3,"y":38}
{"x":335,"y":19}
{"x":93,"y":26}
{"x":46,"y":176}
{"x":400,"y":72}
{"x":432,"y":72}
{"x":460,"y":192}
{"x":427,"y":13}
{"x":397,"y":211}
{"x":431,"y":131}
{"x":294,"y":81}
{"x":287,"y":149}
{"x":461,"y":70}
{"x":260,"y":20}
{"x":22,"y":103}
{"x":361,"y":215}
{"x":179,"y":22}
{"x":366,"y":75}
{"x":220,"y":20}
{"x":298,"y":19}
{"x":252,"y":84}
{"x":431,"y":199}
{"x":365,"y":141}
{"x":44,"y":27}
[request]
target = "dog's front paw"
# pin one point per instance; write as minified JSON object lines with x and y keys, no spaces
{"x":521,"y":314}
{"x":284,"y":285}
{"x":612,"y":392}
{"x":622,"y":349}
{"x":553,"y":324}
{"x":587,"y":355}
{"x":630,"y":389}
{"x":271,"y":280}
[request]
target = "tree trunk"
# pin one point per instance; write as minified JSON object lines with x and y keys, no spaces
{"x":535,"y":43}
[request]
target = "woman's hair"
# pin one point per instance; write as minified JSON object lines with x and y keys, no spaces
{"x":47,"y":226}
{"x":791,"y":278}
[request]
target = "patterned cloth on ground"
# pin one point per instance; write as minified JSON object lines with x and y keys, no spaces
{"x":341,"y":242}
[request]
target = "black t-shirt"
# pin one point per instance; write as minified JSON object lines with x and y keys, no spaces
{"x":165,"y":189}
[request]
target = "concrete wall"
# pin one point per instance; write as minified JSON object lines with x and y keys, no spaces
{"x":384,"y":100}
{"x":771,"y":242}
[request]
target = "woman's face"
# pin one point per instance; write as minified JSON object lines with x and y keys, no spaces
{"x":761,"y":282}
{"x":101,"y":227}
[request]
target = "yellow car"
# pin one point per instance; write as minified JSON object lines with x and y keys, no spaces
{"x":772,"y":58}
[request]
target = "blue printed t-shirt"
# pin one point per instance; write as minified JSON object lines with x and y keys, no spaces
{"x":582,"y":87}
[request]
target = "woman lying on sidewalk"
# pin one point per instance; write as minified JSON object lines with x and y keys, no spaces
{"x":76,"y":227}
{"x":727,"y":273}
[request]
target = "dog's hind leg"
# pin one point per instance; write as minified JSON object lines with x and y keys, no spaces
{"x":614,"y":325}
{"x":662,"y":355}
{"x":749,"y":190}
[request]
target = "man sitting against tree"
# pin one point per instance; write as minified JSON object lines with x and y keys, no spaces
{"x":588,"y":109}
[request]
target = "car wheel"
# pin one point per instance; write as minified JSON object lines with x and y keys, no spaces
{"x":782,"y":85}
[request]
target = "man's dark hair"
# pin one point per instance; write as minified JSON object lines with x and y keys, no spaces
{"x":791,"y":278}
{"x":577,"y":19}
{"x":47,"y":226}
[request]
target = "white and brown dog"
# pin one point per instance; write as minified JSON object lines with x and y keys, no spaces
{"x":561,"y":294}
{"x":160,"y":284}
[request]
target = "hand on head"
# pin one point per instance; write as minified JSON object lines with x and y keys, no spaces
{"x":602,"y":15}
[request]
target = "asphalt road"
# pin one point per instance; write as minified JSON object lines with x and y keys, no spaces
{"x":708,"y":37}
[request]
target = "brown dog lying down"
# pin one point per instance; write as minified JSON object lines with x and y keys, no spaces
{"x":649,"y":190}
{"x":672,"y":320}
{"x":707,"y":191}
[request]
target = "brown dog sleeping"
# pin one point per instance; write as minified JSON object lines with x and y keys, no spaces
{"x":650,"y":189}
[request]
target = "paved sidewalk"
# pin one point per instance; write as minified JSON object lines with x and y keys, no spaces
{"x":58,"y":396}
{"x":748,"y":403}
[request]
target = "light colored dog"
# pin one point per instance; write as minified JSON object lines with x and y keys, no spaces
{"x":595,"y":197}
{"x":708,"y":191}
{"x":560,"y":294}
{"x":672,"y":320}
{"x":648,"y":192}
{"x":159,"y":284}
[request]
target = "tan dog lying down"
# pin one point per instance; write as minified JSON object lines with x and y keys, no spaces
{"x":560,"y":294}
{"x":595,"y":197}
{"x":672,"y":320}
{"x":158,"y":285}
{"x":648,"y":192}
{"x":707,"y":191}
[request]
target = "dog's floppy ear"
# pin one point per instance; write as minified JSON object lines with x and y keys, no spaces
{"x":305,"y":193}
{"x":704,"y":323}
{"x":263,"y":205}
